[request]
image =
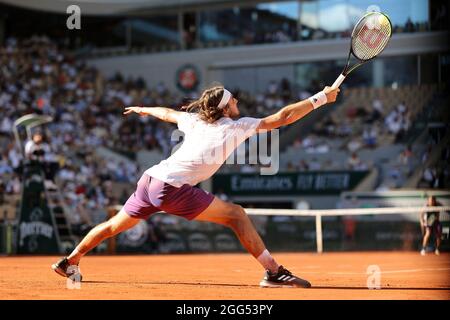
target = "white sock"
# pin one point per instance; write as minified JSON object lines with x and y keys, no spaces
{"x":268,"y":262}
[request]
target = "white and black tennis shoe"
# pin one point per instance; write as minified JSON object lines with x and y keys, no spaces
{"x":65,"y":269}
{"x":283,"y":279}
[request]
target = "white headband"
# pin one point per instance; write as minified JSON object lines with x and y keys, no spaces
{"x":225,"y":98}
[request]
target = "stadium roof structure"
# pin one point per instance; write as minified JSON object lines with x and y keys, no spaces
{"x":121,"y":7}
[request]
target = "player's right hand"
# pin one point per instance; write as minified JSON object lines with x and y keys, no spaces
{"x":331,"y":94}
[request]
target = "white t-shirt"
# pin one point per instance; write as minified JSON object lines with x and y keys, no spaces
{"x":205,"y":148}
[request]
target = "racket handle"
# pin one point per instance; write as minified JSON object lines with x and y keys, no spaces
{"x":338,"y":81}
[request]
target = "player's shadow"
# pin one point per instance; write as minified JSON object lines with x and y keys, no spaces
{"x":257,"y":286}
{"x":176,"y":283}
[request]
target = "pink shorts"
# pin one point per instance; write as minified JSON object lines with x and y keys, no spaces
{"x":153,"y":195}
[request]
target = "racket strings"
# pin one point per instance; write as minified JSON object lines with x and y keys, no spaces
{"x":370,"y":41}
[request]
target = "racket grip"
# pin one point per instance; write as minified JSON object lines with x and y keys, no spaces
{"x":338,"y":81}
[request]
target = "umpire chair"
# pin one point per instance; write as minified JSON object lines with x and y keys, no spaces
{"x":42,"y":226}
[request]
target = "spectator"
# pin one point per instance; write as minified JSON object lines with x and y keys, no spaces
{"x":409,"y":26}
{"x":13,"y":186}
{"x":290,"y":167}
{"x":405,"y":159}
{"x":354,"y":145}
{"x":5,"y":167}
{"x":315,"y":165}
{"x":36,"y":149}
{"x":370,"y":137}
{"x":354,"y":162}
{"x":2,"y":190}
{"x":376,"y":112}
{"x":429,"y":176}
{"x":303,"y":165}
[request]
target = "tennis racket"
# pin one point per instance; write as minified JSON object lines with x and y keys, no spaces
{"x":369,"y":38}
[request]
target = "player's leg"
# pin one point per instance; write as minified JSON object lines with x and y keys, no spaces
{"x":438,"y":235}
{"x":68,"y":266}
{"x":117,"y":224}
{"x":426,"y":237}
{"x":195,"y":203}
{"x":234,"y":217}
{"x":137,"y":207}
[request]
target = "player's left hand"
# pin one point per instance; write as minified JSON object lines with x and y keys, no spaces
{"x":137,"y":110}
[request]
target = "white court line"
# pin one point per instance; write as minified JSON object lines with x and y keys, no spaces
{"x":382,"y":272}
{"x":344,"y":266}
{"x":416,"y":270}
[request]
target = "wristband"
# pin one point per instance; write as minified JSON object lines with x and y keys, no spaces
{"x":318,"y":100}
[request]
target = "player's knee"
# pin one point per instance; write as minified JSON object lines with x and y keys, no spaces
{"x":235,"y":216}
{"x":108,"y":229}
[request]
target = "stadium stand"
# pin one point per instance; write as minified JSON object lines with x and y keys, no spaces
{"x":370,"y":128}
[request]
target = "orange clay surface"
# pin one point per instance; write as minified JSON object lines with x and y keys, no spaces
{"x":229,"y":276}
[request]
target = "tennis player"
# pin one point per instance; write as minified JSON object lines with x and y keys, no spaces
{"x":430,"y":223}
{"x":212,"y":132}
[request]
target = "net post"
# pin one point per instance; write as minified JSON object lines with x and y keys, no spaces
{"x":319,"y":233}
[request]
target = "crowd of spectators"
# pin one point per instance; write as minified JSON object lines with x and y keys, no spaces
{"x":37,"y":76}
{"x":436,"y":174}
{"x":273,"y":30}
{"x":359,"y":129}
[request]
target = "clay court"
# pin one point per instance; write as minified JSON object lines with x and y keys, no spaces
{"x":229,"y":276}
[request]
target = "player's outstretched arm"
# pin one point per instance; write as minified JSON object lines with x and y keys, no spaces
{"x":294,"y":112}
{"x":164,"y":114}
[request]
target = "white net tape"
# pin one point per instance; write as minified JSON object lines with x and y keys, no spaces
{"x":345,"y":212}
